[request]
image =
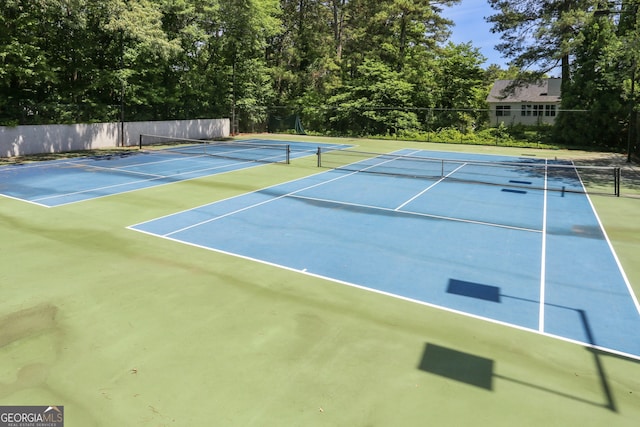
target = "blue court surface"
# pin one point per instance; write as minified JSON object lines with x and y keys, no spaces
{"x":530,"y":258}
{"x":60,"y":182}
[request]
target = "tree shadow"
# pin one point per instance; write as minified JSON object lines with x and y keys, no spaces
{"x":629,"y":174}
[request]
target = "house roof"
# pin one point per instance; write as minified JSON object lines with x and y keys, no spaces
{"x":547,"y":90}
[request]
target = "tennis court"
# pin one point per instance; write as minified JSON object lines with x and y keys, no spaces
{"x":523,"y":255}
{"x":385,"y":289}
{"x":170,"y":160}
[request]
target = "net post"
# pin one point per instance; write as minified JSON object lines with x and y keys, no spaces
{"x":319,"y":162}
{"x":140,"y":141}
{"x":616,"y":181}
{"x":619,"y":180}
{"x":288,"y":153}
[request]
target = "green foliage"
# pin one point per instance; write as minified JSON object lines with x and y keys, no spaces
{"x":368,"y":105}
{"x":514,"y":136}
{"x":375,"y":63}
{"x":460,"y":87}
{"x":81,"y":61}
{"x":540,"y":35}
{"x":593,"y":103}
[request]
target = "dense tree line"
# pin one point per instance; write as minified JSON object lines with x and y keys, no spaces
{"x":347,"y":66}
{"x":351,"y":66}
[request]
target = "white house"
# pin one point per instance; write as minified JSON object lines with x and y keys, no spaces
{"x":531,"y":104}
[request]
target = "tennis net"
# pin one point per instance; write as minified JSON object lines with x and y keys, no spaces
{"x":520,"y":174}
{"x":235,"y":150}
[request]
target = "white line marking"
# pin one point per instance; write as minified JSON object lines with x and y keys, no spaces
{"x":255,"y":204}
{"x":420,"y":214}
{"x":539,"y":331}
{"x":226,"y":199}
{"x":613,"y":251}
{"x":543,"y":261}
{"x":423,"y":303}
{"x":145,"y":180}
{"x":430,"y":187}
{"x":270,"y":200}
{"x":118,"y":169}
{"x":24,"y":200}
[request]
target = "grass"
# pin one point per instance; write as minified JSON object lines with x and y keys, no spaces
{"x":126,"y":329}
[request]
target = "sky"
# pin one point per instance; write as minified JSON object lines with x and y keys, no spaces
{"x":470,"y":26}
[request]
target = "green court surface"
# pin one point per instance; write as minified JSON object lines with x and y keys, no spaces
{"x":124,"y":329}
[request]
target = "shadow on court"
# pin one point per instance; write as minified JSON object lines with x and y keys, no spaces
{"x":458,"y":366}
{"x":478,"y":371}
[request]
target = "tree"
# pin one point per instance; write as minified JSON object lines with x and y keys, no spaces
{"x":378,"y":62}
{"x":375,"y":103}
{"x":245,"y":29}
{"x":68,"y":61}
{"x":629,"y":31}
{"x":592,"y":108}
{"x":26,"y":73}
{"x":136,"y":25}
{"x":462,"y":93}
{"x":304,"y":53}
{"x":539,"y":36}
{"x":389,"y":30}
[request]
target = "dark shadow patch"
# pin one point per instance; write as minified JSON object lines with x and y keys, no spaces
{"x":589,"y":231}
{"x":511,"y":190}
{"x":458,"y":366}
{"x":474,"y":290}
{"x":576,"y":230}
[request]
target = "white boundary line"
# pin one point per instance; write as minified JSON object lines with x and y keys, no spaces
{"x":141,"y":181}
{"x":24,"y":200}
{"x":430,"y":187}
{"x":79,"y":163}
{"x":613,"y":252}
{"x":255,"y":204}
{"x":543,"y":257}
{"x":223,"y":200}
{"x":418,"y":214}
{"x":255,"y":191}
{"x":424,"y":303}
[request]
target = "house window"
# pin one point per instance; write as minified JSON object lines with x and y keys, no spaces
{"x":550,"y":110}
{"x":538,"y":110}
{"x":503,"y":110}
